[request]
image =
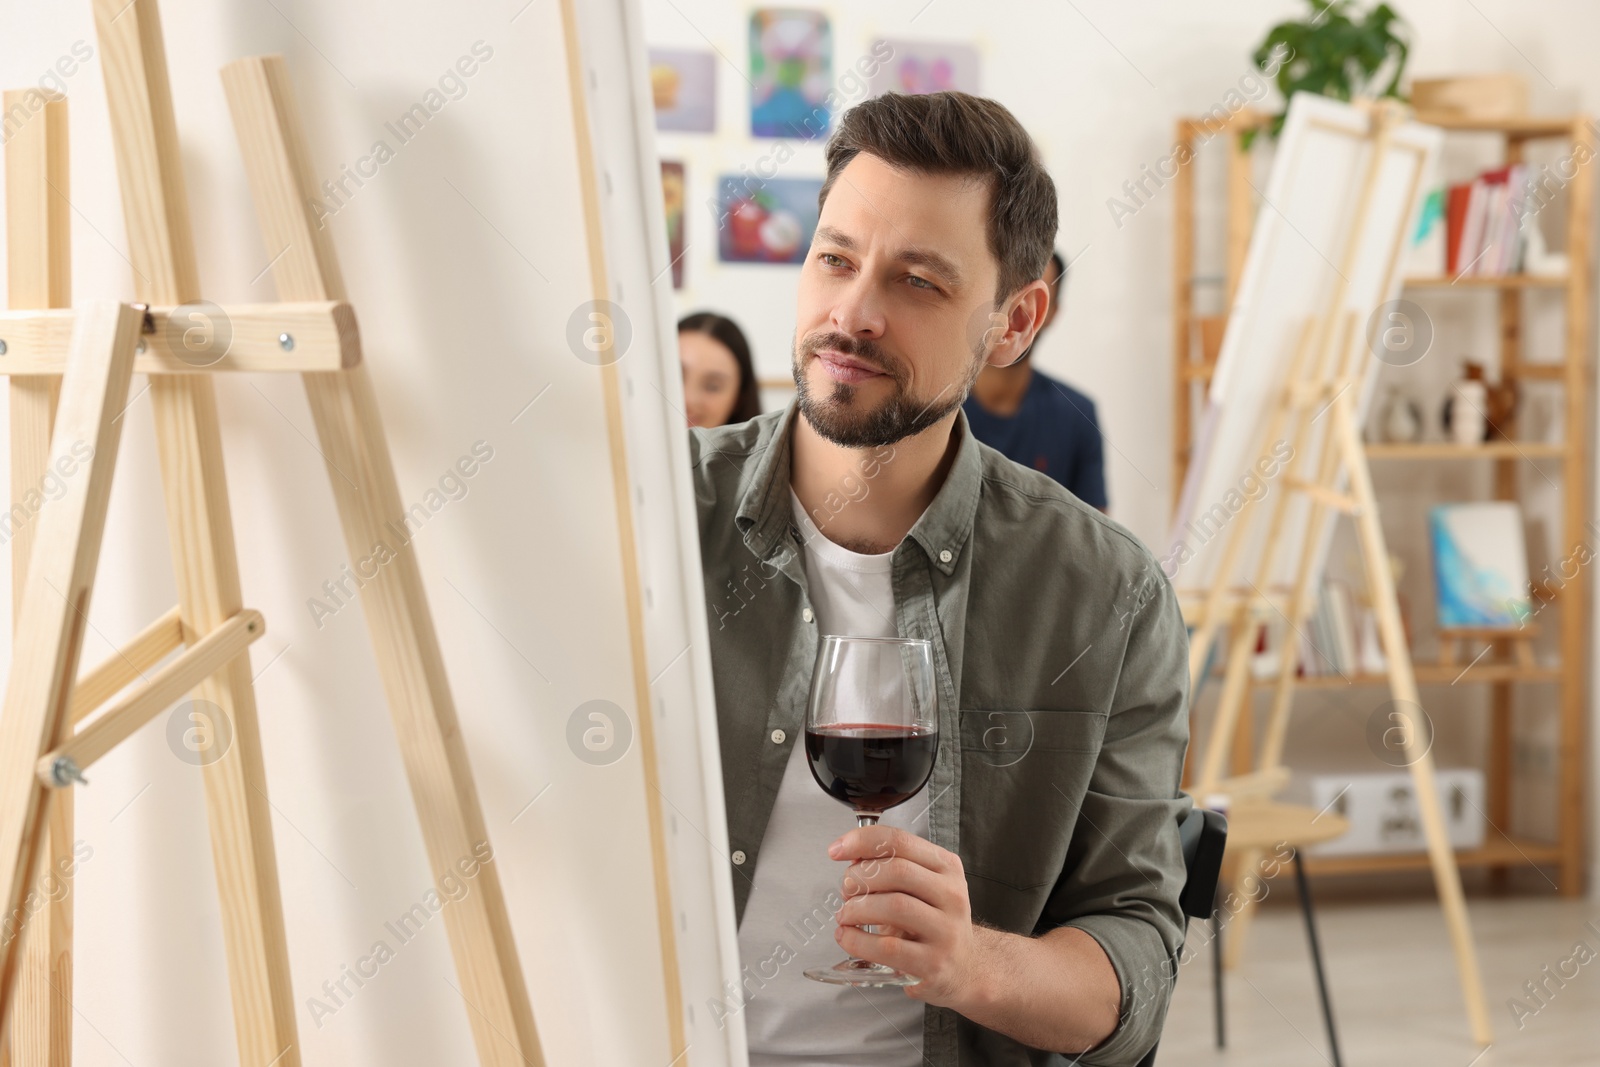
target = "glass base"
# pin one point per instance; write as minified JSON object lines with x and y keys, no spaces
{"x":861,"y":973}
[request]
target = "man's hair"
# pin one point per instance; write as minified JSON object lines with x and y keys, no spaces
{"x":957,"y":133}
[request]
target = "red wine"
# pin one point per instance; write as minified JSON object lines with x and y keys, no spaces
{"x":870,"y":766}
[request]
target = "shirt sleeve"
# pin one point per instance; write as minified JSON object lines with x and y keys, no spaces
{"x":1124,"y":868}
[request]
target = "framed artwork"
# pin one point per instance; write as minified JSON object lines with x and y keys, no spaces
{"x":766,"y":221}
{"x":672,"y":196}
{"x":683,"y":84}
{"x":791,"y":68}
{"x":1480,"y":564}
{"x":925,"y":67}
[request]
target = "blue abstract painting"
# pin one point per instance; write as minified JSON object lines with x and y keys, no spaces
{"x":1480,"y":565}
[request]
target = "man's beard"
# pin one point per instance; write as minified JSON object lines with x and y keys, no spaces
{"x":834,"y":414}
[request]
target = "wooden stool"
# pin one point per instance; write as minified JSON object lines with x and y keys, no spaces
{"x":1253,"y":824}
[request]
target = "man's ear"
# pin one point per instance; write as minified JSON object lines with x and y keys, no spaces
{"x":1017,"y":323}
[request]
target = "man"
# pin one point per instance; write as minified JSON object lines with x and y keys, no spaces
{"x":1033,"y":885}
{"x":1038,"y":421}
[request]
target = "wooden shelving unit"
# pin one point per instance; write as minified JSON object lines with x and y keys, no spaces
{"x":1196,"y":340}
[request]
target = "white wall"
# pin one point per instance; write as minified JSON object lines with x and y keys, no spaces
{"x":463,"y":295}
{"x":1099,"y":85}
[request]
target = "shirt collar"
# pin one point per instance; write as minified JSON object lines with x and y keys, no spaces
{"x":764,"y":516}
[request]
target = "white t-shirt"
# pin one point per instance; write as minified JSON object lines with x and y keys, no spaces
{"x":793,"y":1020}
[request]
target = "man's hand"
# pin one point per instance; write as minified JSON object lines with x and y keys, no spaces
{"x":1057,"y":992}
{"x":916,"y":894}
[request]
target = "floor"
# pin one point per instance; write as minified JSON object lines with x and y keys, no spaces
{"x":1396,"y":997}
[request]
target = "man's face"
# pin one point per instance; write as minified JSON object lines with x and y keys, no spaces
{"x":894,"y":305}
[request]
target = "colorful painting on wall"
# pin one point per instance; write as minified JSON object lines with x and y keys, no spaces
{"x":684,"y":84}
{"x":925,"y":67}
{"x":791,"y":66}
{"x":1480,"y":564}
{"x":766,"y":222}
{"x":672,"y":195}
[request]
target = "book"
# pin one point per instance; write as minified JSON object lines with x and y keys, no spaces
{"x":1373,"y":661}
{"x":1471,"y":251}
{"x":1517,"y":185}
{"x":1342,"y":623}
{"x":1485,"y":233}
{"x":1455,"y":222}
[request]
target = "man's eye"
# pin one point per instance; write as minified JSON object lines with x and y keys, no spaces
{"x":922,"y":283}
{"x":826,"y":256}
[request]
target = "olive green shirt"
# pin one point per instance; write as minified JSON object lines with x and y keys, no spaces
{"x":1062,"y":674}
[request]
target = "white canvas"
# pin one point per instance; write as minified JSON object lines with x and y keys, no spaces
{"x":683,"y":710}
{"x":1291,"y":271}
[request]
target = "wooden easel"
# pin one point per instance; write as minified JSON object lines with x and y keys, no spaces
{"x":312,"y":333}
{"x":1325,"y":382}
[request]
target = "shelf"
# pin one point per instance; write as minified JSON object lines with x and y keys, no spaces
{"x":1487,"y":450}
{"x":1501,"y":852}
{"x":1474,"y":281}
{"x":1516,"y":126}
{"x":1429,"y":674}
{"x":1562,"y":365}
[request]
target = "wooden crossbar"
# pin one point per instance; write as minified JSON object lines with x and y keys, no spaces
{"x":1322,"y":494}
{"x":116,"y":671}
{"x":65,"y":763}
{"x":317,"y":335}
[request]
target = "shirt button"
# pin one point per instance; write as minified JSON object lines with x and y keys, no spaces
{"x":945,"y":557}
{"x":738,"y":857}
{"x":806,"y":615}
{"x":778,"y":737}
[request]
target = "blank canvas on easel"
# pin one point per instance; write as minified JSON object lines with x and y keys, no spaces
{"x":1291,"y":271}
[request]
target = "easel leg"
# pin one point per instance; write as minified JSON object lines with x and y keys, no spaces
{"x":350,"y":431}
{"x":1289,"y":655}
{"x":1230,"y":703}
{"x":55,"y":605}
{"x":200,"y":528}
{"x":39,"y":275}
{"x":1249,"y":866}
{"x":41,"y":1029}
{"x":350,"y":434}
{"x":1403,"y":686}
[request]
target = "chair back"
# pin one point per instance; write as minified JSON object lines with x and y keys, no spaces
{"x":1205,"y":837}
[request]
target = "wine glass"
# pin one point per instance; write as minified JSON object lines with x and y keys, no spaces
{"x":872,"y":731}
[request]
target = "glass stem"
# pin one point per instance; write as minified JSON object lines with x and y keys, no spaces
{"x":866,"y":819}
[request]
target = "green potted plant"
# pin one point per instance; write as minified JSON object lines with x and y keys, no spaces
{"x":1338,"y":51}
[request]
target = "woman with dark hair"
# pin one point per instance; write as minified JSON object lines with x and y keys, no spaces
{"x":719,"y":380}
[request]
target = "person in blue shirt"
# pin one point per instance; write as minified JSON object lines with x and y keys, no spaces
{"x":1037,"y":421}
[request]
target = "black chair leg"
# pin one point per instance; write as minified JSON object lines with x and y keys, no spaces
{"x":1216,"y":975}
{"x":1316,"y":956}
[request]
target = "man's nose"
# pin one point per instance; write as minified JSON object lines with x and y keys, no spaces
{"x":858,"y":310}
